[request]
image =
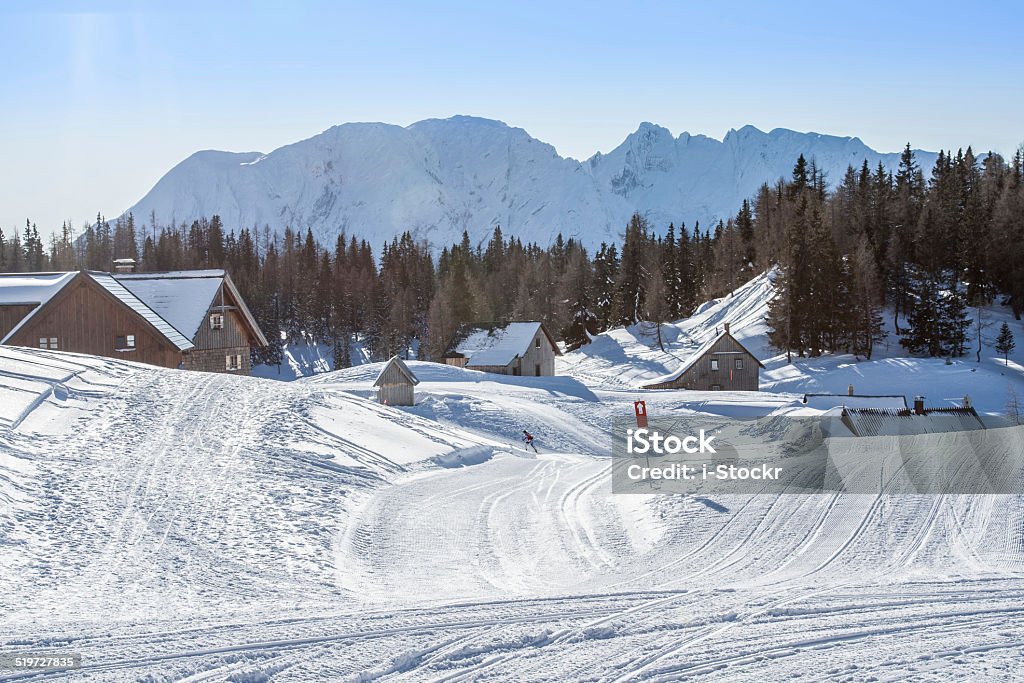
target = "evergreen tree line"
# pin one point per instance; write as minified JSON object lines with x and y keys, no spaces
{"x":927,"y":251}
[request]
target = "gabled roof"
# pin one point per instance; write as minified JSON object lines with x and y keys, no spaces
{"x":40,"y":288}
{"x":398,"y":364}
{"x":26,"y":289}
{"x":879,"y":422}
{"x":701,"y":351}
{"x":110,"y":283}
{"x":497,"y":344}
{"x":183,"y":297}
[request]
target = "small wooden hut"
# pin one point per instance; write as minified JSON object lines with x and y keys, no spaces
{"x":395,"y":384}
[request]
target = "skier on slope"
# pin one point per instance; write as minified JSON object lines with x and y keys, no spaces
{"x":528,"y":440}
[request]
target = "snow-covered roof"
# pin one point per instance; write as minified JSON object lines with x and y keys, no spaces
{"x":30,"y":288}
{"x":399,"y":365}
{"x":114,"y":287}
{"x":499,"y":345}
{"x":181,"y":298}
{"x":701,"y":351}
{"x":871,"y":422}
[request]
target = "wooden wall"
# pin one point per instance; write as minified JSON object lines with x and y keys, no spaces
{"x":395,"y":388}
{"x":11,"y":315}
{"x":85,"y":318}
{"x":700,"y":377}
{"x":212,"y":346}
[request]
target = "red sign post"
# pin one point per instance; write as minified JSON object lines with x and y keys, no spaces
{"x":640,"y":408}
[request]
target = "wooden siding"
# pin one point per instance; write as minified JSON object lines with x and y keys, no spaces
{"x":87,"y":319}
{"x":700,"y":377}
{"x":11,"y":315}
{"x":212,"y":346}
{"x":395,"y":388}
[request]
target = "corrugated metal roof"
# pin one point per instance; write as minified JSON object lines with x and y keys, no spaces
{"x":115,"y":288}
{"x":881,"y":422}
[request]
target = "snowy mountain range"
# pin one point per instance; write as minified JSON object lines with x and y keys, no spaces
{"x":439,"y":177}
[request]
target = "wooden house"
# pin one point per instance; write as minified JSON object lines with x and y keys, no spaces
{"x":395,"y":384}
{"x":85,"y":312}
{"x":105,"y":315}
{"x":720,"y":364}
{"x":206,"y":307}
{"x":516,"y":348}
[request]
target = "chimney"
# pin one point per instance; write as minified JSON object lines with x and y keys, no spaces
{"x":727,"y":328}
{"x":849,"y":390}
{"x":919,"y":405}
{"x":124,"y":265}
{"x":967,"y":401}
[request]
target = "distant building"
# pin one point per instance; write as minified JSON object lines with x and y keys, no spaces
{"x":720,"y":364}
{"x":516,"y":348}
{"x":395,"y":384}
{"x":195,"y":322}
{"x":919,"y":420}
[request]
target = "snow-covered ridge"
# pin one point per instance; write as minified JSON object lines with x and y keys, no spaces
{"x":439,"y":177}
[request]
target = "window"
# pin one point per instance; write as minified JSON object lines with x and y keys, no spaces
{"x":714,"y":365}
{"x":536,"y":343}
{"x":537,"y":369}
{"x":217,"y":321}
{"x":124,"y":342}
{"x":716,"y":387}
{"x":233,"y":362}
{"x":738,"y":364}
{"x":48,"y":343}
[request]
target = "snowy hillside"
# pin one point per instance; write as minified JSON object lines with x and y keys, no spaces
{"x":171,"y":525}
{"x":440,"y":177}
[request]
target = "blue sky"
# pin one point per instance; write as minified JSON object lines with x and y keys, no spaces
{"x":100,"y":99}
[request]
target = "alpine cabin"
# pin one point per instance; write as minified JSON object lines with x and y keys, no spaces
{"x":103,"y":314}
{"x":516,"y":348}
{"x":720,"y":364}
{"x":395,"y":384}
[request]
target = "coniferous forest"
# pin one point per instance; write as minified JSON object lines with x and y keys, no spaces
{"x":923,"y":252}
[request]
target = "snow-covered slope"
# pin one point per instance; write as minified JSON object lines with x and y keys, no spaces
{"x":171,"y":525}
{"x":440,"y":177}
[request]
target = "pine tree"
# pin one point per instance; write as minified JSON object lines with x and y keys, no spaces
{"x":1005,"y":343}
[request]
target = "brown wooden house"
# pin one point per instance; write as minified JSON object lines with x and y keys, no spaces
{"x":85,"y":312}
{"x":516,"y":348}
{"x":206,"y":307}
{"x":720,"y":364}
{"x":96,"y":313}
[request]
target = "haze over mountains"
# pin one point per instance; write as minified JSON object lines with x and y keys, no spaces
{"x":439,"y":177}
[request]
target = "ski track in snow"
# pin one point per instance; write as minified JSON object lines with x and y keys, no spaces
{"x":176,"y":526}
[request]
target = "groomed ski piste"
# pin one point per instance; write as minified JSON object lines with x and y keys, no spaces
{"x":177,"y":526}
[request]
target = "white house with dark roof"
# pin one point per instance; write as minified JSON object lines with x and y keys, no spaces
{"x":515,"y":348}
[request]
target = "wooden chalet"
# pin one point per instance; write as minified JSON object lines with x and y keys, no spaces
{"x":515,"y":348}
{"x":206,"y":307}
{"x":720,"y":364}
{"x":101,"y":314}
{"x":395,"y":384}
